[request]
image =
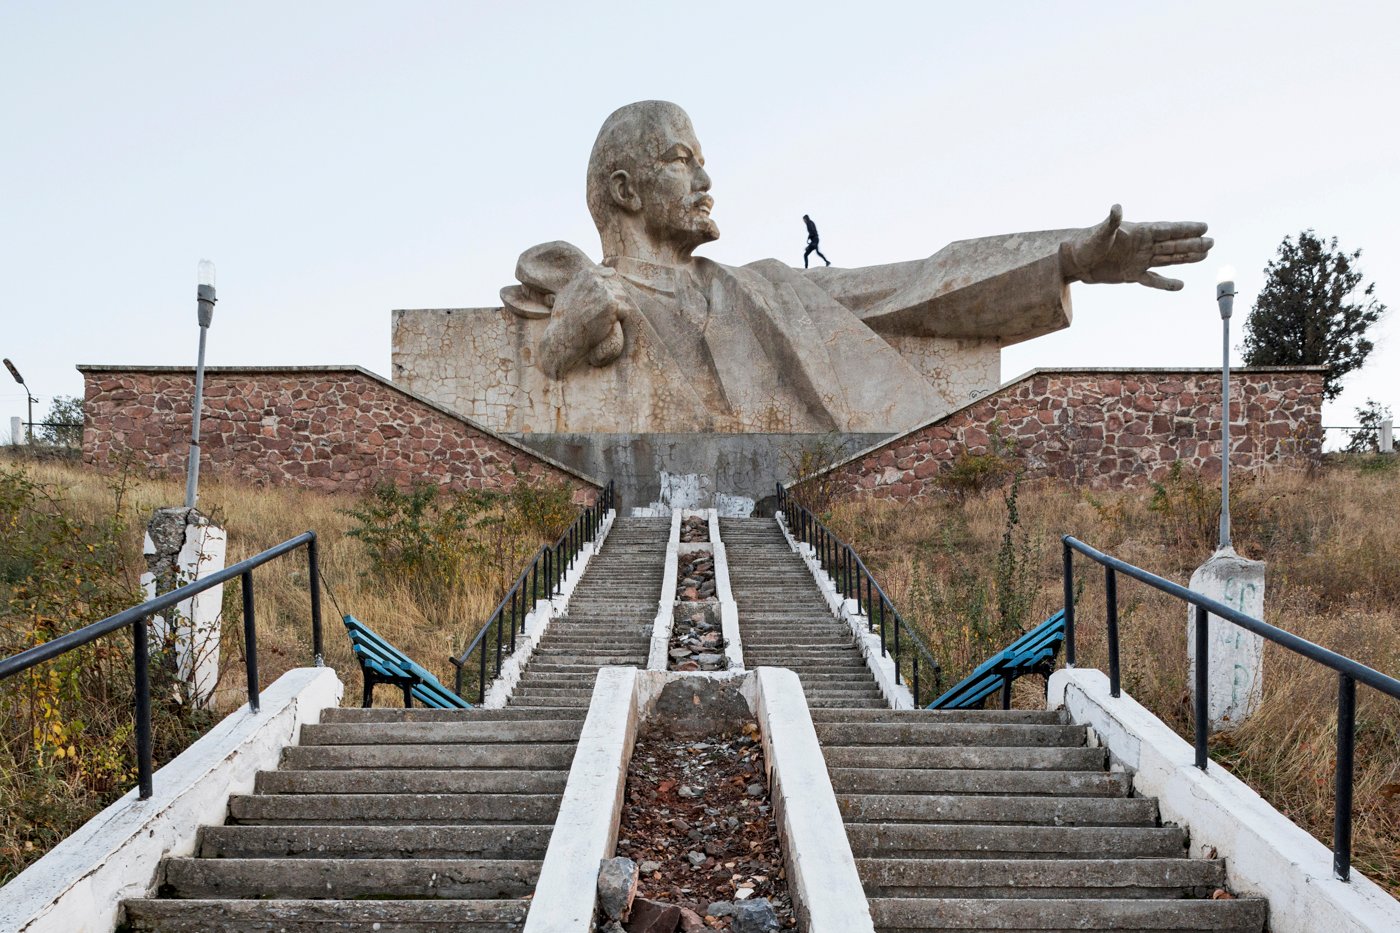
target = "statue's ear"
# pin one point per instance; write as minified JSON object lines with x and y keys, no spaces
{"x":624,"y":193}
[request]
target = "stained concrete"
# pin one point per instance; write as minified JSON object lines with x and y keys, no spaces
{"x":733,"y":473}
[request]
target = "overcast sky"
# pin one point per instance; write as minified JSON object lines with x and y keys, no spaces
{"x":341,"y":159}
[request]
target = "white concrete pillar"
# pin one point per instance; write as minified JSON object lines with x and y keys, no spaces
{"x":1236,"y":675}
{"x":1387,"y":436}
{"x":182,"y":546}
{"x":16,"y":430}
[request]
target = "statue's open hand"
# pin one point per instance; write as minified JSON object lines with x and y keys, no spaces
{"x":1114,"y":251}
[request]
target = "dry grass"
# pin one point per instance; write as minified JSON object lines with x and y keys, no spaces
{"x":1333,"y":577}
{"x":256,"y":519}
{"x":43,"y":798}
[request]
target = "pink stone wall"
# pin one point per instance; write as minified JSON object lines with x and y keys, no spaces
{"x":337,"y":429}
{"x":1106,"y":429}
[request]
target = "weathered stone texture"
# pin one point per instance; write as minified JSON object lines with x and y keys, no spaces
{"x":1106,"y":429}
{"x":338,"y":429}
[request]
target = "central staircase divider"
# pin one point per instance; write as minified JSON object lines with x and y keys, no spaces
{"x":854,"y":580}
{"x":541,"y":579}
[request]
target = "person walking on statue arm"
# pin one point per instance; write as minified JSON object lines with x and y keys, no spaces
{"x":812,"y":242}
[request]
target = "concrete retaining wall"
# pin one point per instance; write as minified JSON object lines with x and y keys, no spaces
{"x":78,"y":886}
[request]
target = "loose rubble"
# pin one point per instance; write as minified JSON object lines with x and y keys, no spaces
{"x":697,"y":644}
{"x":695,"y":529}
{"x":698,"y":823}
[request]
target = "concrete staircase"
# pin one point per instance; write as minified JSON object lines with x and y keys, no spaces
{"x":992,"y":820}
{"x":418,"y":820}
{"x":409,"y":820}
{"x":784,"y":620}
{"x":609,"y":618}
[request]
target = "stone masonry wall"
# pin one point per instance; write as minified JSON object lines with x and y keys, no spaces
{"x":339,"y":429}
{"x":1105,"y":429}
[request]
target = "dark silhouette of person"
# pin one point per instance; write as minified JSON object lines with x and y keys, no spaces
{"x":813,"y":240}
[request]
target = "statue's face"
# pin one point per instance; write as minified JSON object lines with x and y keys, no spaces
{"x":674,"y":187}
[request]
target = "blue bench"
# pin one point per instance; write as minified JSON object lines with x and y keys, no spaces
{"x":382,"y":663}
{"x":1032,"y":653}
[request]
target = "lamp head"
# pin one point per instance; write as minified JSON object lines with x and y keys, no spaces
{"x":1225,"y":291}
{"x":206,"y":292}
{"x":14,"y":372}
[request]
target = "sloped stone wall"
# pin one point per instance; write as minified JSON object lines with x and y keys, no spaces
{"x":1105,"y":429}
{"x":339,"y":429}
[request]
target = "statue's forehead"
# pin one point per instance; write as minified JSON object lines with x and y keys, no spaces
{"x":666,"y":131}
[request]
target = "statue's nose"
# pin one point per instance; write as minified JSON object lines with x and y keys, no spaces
{"x":701,"y":182}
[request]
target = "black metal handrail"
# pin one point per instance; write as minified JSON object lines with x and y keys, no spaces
{"x":550,"y":564}
{"x":138,"y":618}
{"x":1349,"y":673}
{"x":855,"y":581}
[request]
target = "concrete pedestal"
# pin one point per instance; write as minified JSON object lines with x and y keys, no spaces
{"x":181,"y":547}
{"x":1236,"y":655}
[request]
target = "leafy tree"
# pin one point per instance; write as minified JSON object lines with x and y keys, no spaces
{"x":1309,"y":312}
{"x":1369,"y":417}
{"x":63,"y":425}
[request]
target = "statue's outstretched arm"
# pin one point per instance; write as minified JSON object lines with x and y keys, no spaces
{"x":1013,"y":287}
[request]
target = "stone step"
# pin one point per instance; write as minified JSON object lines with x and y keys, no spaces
{"x":986,"y":810}
{"x":554,"y":755}
{"x":892,"y":915}
{"x":458,"y":878}
{"x":310,"y":916}
{"x":453,"y":732}
{"x":1018,"y":783}
{"x":1015,"y":716}
{"x":354,"y":714}
{"x":1081,"y":878}
{"x":377,"y":809}
{"x":482,"y":840}
{"x":974,"y":841}
{"x":818,"y":703}
{"x":943,"y":757}
{"x":580,"y":702}
{"x":934,"y":734}
{"x":540,"y":685}
{"x":456,"y":781}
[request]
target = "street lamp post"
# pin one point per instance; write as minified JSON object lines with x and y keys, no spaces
{"x":206,"y":300}
{"x":30,"y":395}
{"x":1225,"y":298}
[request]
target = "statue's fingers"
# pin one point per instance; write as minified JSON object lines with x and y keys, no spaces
{"x":1101,"y":237}
{"x":1176,"y":230}
{"x":1199,"y":244}
{"x":1153,"y":280}
{"x":1176,"y":259}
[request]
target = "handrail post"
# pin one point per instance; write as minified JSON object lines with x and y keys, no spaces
{"x":1202,"y":687}
{"x":250,"y":641}
{"x":1069,"y":605}
{"x":517,"y":619}
{"x":481,"y":684}
{"x":1110,"y":589}
{"x":141,"y":648}
{"x":1346,"y":755}
{"x":313,"y":569}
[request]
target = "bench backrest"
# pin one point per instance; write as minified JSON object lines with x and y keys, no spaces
{"x":389,"y":663}
{"x":1030,"y":651}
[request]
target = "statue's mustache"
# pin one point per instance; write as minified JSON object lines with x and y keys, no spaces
{"x":699,"y":201}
